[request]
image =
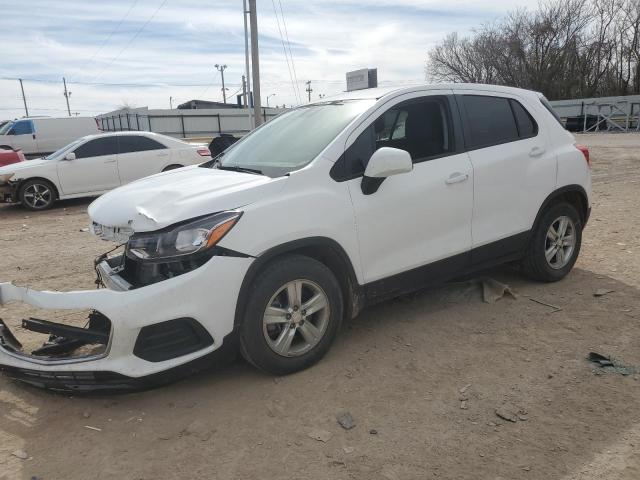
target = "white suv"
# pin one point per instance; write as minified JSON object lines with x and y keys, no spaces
{"x":326,"y":209}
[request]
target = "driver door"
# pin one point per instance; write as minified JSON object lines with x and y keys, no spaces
{"x":94,"y":170}
{"x":416,"y":227}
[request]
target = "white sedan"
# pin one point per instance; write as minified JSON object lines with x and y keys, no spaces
{"x":93,"y":165}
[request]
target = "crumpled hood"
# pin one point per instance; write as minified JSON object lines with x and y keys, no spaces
{"x":161,"y":200}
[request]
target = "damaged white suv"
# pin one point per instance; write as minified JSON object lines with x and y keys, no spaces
{"x":326,"y":209}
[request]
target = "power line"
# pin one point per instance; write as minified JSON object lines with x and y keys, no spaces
{"x":110,"y":35}
{"x":284,"y":48}
{"x":132,"y":39}
{"x":286,"y":32}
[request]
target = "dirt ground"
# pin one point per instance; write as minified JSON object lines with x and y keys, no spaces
{"x":422,"y":376}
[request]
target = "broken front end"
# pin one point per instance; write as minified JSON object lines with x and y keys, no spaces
{"x":154,"y":317}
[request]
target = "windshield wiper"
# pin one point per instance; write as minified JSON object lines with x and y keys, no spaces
{"x":235,"y":168}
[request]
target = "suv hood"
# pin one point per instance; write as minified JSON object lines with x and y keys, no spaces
{"x":164,"y":199}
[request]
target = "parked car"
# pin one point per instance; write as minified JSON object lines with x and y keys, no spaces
{"x":93,"y":165}
{"x":38,"y":136}
{"x":325,"y":209}
{"x":9,"y":156}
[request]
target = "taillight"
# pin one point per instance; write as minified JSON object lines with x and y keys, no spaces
{"x":204,"y":152}
{"x":585,"y":152}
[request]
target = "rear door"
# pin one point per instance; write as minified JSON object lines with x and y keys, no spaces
{"x":140,"y":156}
{"x":514,"y":171}
{"x":414,"y":219}
{"x":94,"y":170}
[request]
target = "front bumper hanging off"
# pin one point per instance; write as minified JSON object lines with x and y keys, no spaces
{"x":145,"y":336}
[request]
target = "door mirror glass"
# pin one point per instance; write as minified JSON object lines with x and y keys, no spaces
{"x":70,"y":156}
{"x":388,"y":161}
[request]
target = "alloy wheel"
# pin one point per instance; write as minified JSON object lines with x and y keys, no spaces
{"x":560,"y":242}
{"x":296,"y":318}
{"x":38,"y":195}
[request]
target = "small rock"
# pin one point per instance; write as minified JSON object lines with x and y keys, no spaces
{"x":86,"y":414}
{"x":600,"y":292}
{"x":373,"y":431}
{"x":321,"y":435}
{"x":506,"y":414}
{"x":522,"y":418}
{"x":21,"y":454}
{"x":84,"y":230}
{"x":464,"y":405}
{"x":465,"y":388}
{"x":527,"y":469}
{"x":346,"y":420}
{"x":348,"y":449}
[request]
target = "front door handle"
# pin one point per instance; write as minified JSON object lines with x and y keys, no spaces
{"x":109,"y":161}
{"x":456,"y":178}
{"x":537,"y":152}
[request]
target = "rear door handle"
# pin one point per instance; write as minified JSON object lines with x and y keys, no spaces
{"x":109,"y":161}
{"x":537,"y":152}
{"x":456,"y":178}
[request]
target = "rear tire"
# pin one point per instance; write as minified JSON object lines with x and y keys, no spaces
{"x":37,"y":194}
{"x":555,"y":244}
{"x":292,"y":316}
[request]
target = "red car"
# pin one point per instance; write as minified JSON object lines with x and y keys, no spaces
{"x":8,"y":156}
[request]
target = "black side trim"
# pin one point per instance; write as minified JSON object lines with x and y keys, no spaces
{"x":171,"y":339}
{"x":417,"y":278}
{"x":502,"y":251}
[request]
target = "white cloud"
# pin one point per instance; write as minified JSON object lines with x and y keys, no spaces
{"x":186,"y":38}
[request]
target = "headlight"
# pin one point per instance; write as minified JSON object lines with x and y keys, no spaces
{"x":183,"y":239}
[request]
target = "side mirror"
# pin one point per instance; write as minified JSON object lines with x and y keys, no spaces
{"x":385,"y":162}
{"x":70,"y":156}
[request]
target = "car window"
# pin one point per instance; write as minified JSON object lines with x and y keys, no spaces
{"x":527,"y":126}
{"x":491,"y":121}
{"x":97,"y":147}
{"x":22,"y":127}
{"x":551,"y":110}
{"x":137,"y":143}
{"x":421,"y":127}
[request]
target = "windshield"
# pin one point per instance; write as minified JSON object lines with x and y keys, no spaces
{"x":5,"y":128}
{"x":292,"y":140}
{"x":64,"y":150}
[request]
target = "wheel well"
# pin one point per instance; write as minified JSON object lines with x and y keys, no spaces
{"x":325,"y":251}
{"x":573,"y":196}
{"x":22,"y":182}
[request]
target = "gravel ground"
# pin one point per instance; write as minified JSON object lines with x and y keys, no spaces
{"x":422,"y":376}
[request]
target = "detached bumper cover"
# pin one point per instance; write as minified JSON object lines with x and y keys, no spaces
{"x":207,"y":295}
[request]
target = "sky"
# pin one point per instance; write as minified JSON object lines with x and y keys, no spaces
{"x":141,"y":52}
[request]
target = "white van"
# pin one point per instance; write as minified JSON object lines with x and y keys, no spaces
{"x":38,"y":136}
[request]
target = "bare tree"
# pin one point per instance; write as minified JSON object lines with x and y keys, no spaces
{"x":565,"y":49}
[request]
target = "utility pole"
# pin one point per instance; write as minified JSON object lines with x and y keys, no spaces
{"x":255,"y":63}
{"x":170,"y":103}
{"x":66,"y":95}
{"x":24,"y":99}
{"x":248,"y":100}
{"x":244,"y":91}
{"x":309,"y":89}
{"x":221,"y":69}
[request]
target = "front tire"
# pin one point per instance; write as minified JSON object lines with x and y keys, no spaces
{"x":37,"y":195}
{"x":555,"y":244}
{"x":292,"y":316}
